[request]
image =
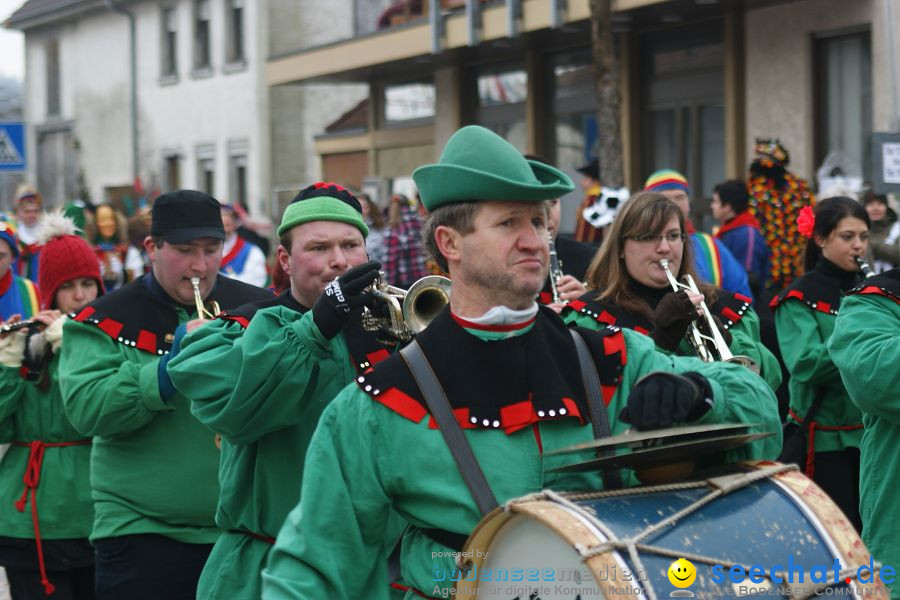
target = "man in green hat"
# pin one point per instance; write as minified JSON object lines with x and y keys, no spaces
{"x":261,"y":375}
{"x":509,"y":370}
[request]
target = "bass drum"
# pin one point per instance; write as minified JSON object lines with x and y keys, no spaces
{"x":575,"y":546}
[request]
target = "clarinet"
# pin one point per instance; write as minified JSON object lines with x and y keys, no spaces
{"x":864,"y":267}
{"x":555,"y":272}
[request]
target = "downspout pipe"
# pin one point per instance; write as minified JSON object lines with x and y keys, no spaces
{"x":132,"y":31}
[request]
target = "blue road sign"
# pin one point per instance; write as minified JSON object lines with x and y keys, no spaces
{"x":12,"y":146}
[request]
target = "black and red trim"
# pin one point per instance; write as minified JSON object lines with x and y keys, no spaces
{"x":505,"y":384}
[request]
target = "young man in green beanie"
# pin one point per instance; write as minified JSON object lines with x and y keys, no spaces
{"x":513,"y":387}
{"x":261,"y":375}
{"x":153,"y":465}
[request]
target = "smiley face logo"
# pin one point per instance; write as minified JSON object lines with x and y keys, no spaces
{"x":682,"y":573}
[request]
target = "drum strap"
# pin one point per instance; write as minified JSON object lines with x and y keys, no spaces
{"x":440,"y":409}
{"x":596,"y":406}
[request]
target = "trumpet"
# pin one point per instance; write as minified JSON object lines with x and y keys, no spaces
{"x":708,"y":348}
{"x":555,"y":271}
{"x":208,"y":311}
{"x":29,"y":324}
{"x":409,"y":311}
{"x":864,"y":267}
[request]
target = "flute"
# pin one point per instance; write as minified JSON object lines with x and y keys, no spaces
{"x":30,"y":324}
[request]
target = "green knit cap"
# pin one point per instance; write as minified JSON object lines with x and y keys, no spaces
{"x":323,"y":201}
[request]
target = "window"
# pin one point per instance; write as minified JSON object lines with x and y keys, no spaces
{"x":501,"y":103}
{"x":234,"y":19}
{"x":53,"y":92}
{"x":206,"y":168}
{"x":173,"y":172}
{"x":238,"y":168}
{"x":408,"y":102}
{"x":844,"y":84}
{"x":201,"y":34}
{"x":169,"y":46}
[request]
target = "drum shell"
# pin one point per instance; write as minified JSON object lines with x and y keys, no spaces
{"x":763,"y":523}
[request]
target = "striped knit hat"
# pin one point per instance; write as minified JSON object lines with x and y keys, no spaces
{"x":667,"y":179}
{"x":8,"y":235}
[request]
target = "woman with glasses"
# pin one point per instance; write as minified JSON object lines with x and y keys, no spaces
{"x":628,"y":287}
{"x":805,"y":314}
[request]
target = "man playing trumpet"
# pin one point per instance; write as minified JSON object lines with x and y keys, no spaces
{"x":261,"y":375}
{"x":153,"y":466}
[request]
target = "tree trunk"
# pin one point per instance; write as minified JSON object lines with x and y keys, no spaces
{"x":606,"y":74}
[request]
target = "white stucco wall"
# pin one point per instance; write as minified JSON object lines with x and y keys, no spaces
{"x":216,"y":109}
{"x":780,"y":70}
{"x":93,"y":96}
{"x":299,"y":113}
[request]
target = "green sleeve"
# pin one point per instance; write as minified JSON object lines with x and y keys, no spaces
{"x":745,"y":341}
{"x":865,"y":346}
{"x":802,"y":346}
{"x":107,"y":389}
{"x":739,"y":396}
{"x":246,"y":384}
{"x":573,"y":318}
{"x":12,"y":392}
{"x":344,"y":508}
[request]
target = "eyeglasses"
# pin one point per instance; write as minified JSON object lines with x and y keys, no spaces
{"x":673,"y":237}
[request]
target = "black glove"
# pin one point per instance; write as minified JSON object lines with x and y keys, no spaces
{"x":331,"y":310}
{"x":661,"y":399}
{"x":726,"y":335}
{"x":671,"y":318}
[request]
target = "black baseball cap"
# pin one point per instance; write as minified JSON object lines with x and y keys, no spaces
{"x":184,"y":215}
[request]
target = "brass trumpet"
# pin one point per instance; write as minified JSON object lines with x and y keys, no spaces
{"x":409,"y":311}
{"x":208,"y":311}
{"x":708,"y":348}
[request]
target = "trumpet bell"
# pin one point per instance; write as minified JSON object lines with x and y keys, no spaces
{"x":424,"y":300}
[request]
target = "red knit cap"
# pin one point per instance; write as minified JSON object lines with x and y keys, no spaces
{"x":64,"y":257}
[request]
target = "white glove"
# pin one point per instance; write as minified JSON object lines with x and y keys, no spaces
{"x":12,"y":348}
{"x":53,"y":333}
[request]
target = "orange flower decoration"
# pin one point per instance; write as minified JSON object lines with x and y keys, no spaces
{"x":806,"y":221}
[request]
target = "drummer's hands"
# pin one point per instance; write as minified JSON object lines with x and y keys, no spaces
{"x":661,"y":399}
{"x":570,"y":288}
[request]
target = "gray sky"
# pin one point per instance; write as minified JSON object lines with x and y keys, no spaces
{"x":12,"y":45}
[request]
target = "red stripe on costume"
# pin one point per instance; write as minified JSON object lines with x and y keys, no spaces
{"x":607,"y":318}
{"x":146,"y":341}
{"x":640,"y":329}
{"x":243,"y":322}
{"x":823,"y":306}
{"x":731,"y":315}
{"x":403,"y":405}
{"x":501,"y":328}
{"x":577,"y":304}
{"x":461,"y":415}
{"x":873,"y":289}
{"x":86,"y":312}
{"x":111,"y":328}
{"x":614,"y":343}
{"x":743,"y":298}
{"x":232,"y":254}
{"x":514,"y":417}
{"x":377,"y":356}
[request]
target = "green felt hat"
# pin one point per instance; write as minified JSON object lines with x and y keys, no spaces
{"x":478,"y":164}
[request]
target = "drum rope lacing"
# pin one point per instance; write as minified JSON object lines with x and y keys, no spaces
{"x":722,"y":485}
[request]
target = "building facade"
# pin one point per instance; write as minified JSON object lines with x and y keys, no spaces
{"x":200,"y":113}
{"x":699,"y":81}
